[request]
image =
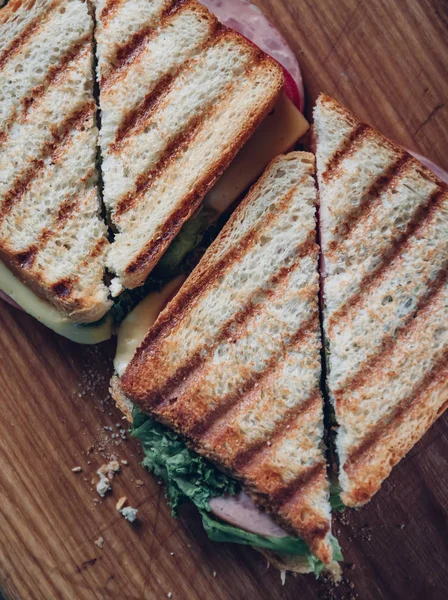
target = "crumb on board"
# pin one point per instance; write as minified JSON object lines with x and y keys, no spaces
{"x":77,"y":469}
{"x":103,"y":485}
{"x":129,"y":513}
{"x":99,"y":542}
{"x":110,"y":469}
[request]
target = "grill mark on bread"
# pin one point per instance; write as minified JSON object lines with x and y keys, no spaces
{"x":347,"y":147}
{"x":56,"y":73}
{"x":367,"y":370}
{"x":281,"y":496}
{"x":172,"y":224}
{"x":26,"y":258}
{"x":145,"y":180}
{"x":414,"y":226}
{"x":240,"y":318}
{"x":110,"y":9}
{"x":181,"y":140}
{"x":431,"y":380}
{"x":63,"y":288}
{"x":134,"y":121}
{"x":24,"y":36}
{"x":371,"y":199}
{"x":256,"y":378}
{"x":244,"y":457}
{"x":98,"y":248}
{"x":188,"y":296}
{"x":51,"y":148}
{"x":137,"y":118}
{"x":132,"y":47}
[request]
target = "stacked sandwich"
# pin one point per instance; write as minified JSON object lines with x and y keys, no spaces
{"x":220,"y":371}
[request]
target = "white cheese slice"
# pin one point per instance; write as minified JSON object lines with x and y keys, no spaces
{"x":280,"y":130}
{"x":137,"y":323}
{"x":48,"y":315}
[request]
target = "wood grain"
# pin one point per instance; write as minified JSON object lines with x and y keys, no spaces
{"x":386,"y":61}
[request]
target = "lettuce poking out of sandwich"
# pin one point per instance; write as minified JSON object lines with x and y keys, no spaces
{"x":183,"y":254}
{"x":189,"y":476}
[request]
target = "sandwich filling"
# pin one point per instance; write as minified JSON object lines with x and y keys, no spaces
{"x":228,"y":514}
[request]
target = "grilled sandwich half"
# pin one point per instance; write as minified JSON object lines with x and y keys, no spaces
{"x":180,"y":94}
{"x":233,"y":362}
{"x":384,"y":235}
{"x":51,"y":234}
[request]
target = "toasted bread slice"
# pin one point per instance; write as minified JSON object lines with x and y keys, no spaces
{"x":384,"y":233}
{"x":51,"y":233}
{"x":180,"y":94}
{"x":233,"y":362}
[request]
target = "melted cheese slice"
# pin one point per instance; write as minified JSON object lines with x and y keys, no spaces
{"x":280,"y":130}
{"x":138,"y":322}
{"x":48,"y":315}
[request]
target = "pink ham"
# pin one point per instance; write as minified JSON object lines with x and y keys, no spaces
{"x":441,"y":174}
{"x":241,"y":512}
{"x":248,"y":20}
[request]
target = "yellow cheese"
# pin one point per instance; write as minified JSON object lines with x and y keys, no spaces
{"x":48,"y":315}
{"x":277,"y":134}
{"x":137,"y":323}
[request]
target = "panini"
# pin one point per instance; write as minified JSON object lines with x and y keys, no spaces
{"x":51,"y":234}
{"x":384,"y":235}
{"x":180,"y":94}
{"x":233,"y":362}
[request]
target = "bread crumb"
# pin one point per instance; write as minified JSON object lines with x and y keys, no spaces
{"x":110,"y":468}
{"x":121,"y":502}
{"x":124,"y":462}
{"x":169,"y":594}
{"x":100,"y":542}
{"x":76,"y":470}
{"x":283,"y":577}
{"x":103,"y":485}
{"x":129,"y":513}
{"x":139,"y":482}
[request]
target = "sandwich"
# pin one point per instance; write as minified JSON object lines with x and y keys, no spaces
{"x":53,"y":240}
{"x":384,"y":232}
{"x":179,"y":95}
{"x":229,"y":375}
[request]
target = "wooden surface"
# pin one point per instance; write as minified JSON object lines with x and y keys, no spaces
{"x":387,"y":61}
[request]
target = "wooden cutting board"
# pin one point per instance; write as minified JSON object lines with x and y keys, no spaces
{"x":388,"y":62}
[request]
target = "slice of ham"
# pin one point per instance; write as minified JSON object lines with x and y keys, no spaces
{"x":248,"y":20}
{"x":241,"y":512}
{"x":441,"y":174}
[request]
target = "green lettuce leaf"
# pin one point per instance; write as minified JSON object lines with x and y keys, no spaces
{"x":335,"y":497}
{"x":188,"y":238}
{"x":190,"y":476}
{"x":182,"y":256}
{"x":187,"y":475}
